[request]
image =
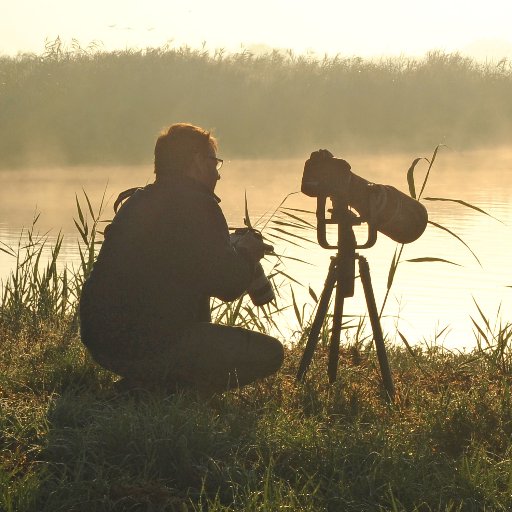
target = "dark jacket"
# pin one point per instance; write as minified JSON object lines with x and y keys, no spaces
{"x":165,"y":254}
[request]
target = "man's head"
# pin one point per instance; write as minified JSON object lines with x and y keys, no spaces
{"x":187,"y":150}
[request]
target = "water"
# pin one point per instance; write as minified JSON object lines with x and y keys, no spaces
{"x":425,"y":297}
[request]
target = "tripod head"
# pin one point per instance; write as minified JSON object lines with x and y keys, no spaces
{"x":346,"y":219}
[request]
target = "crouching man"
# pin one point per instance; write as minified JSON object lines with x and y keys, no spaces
{"x":145,"y":309}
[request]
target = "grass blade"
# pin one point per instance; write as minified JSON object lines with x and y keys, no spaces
{"x":299,"y":210}
{"x":410,"y":177}
{"x":297,"y":218}
{"x":296,"y":308}
{"x":413,"y":354}
{"x":288,"y":277}
{"x":283,"y":257}
{"x":479,"y":329}
{"x":7,"y":250}
{"x":283,"y":231}
{"x":79,"y":209}
{"x":457,"y":237}
{"x":464,"y":203}
{"x":431,"y":259}
{"x":431,"y":163}
{"x":392,"y":270}
{"x":288,"y":224}
{"x":247,"y":220}
{"x":273,"y":235}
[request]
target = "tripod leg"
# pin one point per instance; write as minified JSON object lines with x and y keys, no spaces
{"x":345,"y":275}
{"x":364,"y":272}
{"x":318,"y":321}
{"x":334,"y":346}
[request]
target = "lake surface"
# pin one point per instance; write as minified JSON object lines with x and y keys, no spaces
{"x":425,"y":297}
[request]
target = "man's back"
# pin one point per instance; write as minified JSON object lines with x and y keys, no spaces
{"x":166,"y":252}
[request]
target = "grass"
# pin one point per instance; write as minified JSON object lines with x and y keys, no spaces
{"x":70,"y":442}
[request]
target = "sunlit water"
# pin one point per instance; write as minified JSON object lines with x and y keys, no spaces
{"x":425,"y":297}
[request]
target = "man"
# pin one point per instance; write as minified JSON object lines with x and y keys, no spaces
{"x":144,"y":310}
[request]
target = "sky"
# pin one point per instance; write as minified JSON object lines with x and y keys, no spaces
{"x":366,"y":28}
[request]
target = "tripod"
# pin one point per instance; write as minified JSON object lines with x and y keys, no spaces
{"x":342,"y":275}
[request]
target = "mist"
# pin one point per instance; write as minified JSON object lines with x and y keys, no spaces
{"x":75,"y":106}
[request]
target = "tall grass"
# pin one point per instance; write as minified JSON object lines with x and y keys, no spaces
{"x":71,"y":105}
{"x":42,"y":290}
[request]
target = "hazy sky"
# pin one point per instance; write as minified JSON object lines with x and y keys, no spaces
{"x":355,"y":27}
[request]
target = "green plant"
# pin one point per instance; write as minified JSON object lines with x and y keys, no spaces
{"x":494,"y":342}
{"x":396,"y":260}
{"x":40,"y":289}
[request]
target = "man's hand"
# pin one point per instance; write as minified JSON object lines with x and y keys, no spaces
{"x":252,"y":244}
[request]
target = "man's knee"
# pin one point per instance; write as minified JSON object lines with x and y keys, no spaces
{"x":278,"y":354}
{"x":272,"y":356}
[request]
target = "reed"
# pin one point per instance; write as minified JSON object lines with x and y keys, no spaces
{"x":90,"y":106}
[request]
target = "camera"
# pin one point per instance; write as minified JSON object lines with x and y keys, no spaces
{"x":260,"y":289}
{"x":385,"y":208}
{"x":325,"y":176}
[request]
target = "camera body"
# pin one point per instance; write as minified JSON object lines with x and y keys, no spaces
{"x":260,"y":288}
{"x":325,"y":176}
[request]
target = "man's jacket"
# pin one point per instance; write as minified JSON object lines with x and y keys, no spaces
{"x":165,"y":254}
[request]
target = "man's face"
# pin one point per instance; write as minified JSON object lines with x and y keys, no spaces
{"x":204,"y":169}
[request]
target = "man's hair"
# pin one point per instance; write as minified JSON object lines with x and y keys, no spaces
{"x":176,"y":146}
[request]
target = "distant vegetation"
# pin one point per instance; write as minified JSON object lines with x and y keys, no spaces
{"x":75,"y":105}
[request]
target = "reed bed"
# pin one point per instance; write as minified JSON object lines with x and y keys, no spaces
{"x":71,"y":105}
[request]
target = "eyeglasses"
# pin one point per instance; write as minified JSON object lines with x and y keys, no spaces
{"x":219,"y":161}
